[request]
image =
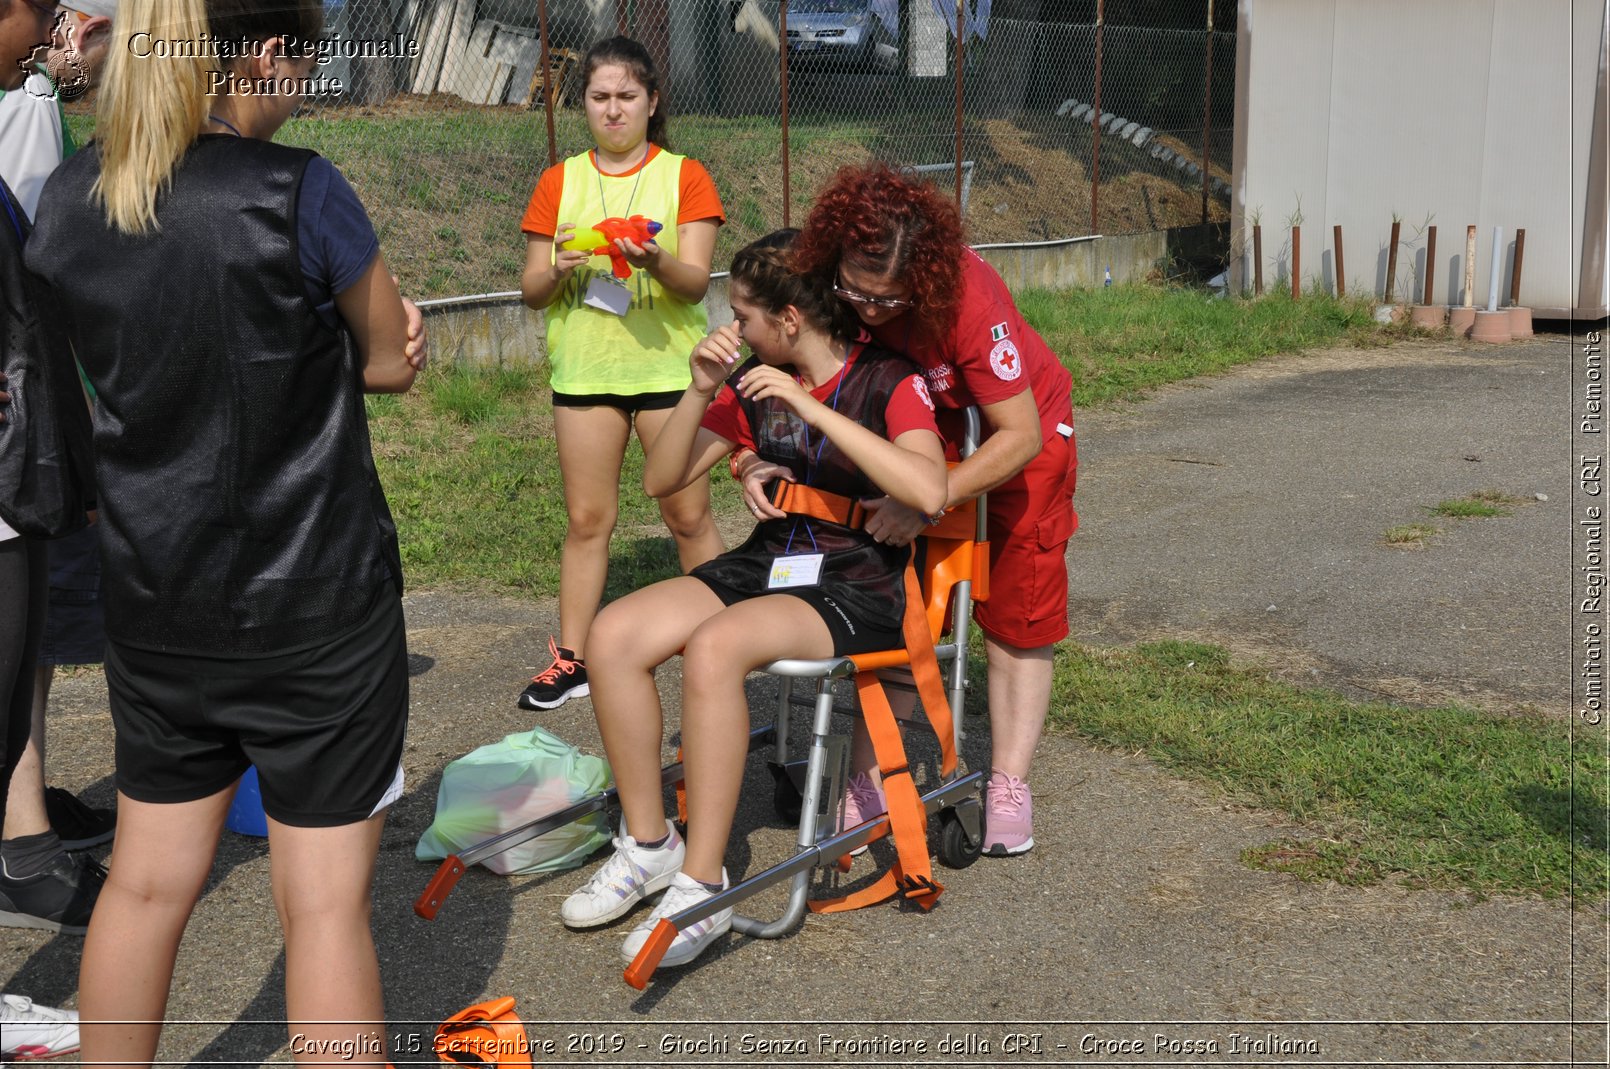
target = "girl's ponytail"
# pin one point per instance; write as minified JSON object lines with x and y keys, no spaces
{"x":152,"y":104}
{"x":154,"y":101}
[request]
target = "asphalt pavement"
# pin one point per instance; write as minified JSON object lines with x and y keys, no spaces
{"x":1247,"y":509}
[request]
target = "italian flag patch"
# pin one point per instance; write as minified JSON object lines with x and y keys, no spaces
{"x":997,"y":332}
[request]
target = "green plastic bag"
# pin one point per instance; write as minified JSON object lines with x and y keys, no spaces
{"x":506,"y":784}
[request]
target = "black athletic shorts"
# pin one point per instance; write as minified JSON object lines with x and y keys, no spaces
{"x":629,"y":403}
{"x":75,"y":626}
{"x":324,"y":725}
{"x":850,"y":635}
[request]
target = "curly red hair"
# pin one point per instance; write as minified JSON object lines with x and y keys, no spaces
{"x":892,"y":223}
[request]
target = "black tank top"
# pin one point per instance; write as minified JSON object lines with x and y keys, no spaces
{"x":864,"y":576}
{"x":240,"y":509}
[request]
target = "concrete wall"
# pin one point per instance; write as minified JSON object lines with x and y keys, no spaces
{"x":1447,"y":112}
{"x":495,"y":329}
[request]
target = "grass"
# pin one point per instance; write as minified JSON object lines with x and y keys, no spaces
{"x":470,"y":467}
{"x":1446,"y":798}
{"x":422,"y":164}
{"x":1481,"y":503}
{"x":417,"y":161}
{"x":1120,"y":341}
{"x":1410,"y":535}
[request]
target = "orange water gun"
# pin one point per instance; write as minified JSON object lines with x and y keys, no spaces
{"x":600,"y":239}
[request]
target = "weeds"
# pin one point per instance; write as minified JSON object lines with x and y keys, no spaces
{"x":1410,"y":535}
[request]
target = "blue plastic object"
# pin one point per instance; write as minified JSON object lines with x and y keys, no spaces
{"x":246,"y":814}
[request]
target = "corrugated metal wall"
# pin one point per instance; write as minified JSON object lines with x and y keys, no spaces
{"x":1443,"y":112}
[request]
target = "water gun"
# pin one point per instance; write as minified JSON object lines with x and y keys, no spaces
{"x":600,"y":239}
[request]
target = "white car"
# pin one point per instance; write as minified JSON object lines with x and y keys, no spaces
{"x":840,"y":34}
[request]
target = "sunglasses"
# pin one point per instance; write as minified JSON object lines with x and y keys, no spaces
{"x":49,"y":11}
{"x":852,"y":296}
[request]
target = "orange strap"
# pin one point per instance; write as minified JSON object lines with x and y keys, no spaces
{"x":911,"y":875}
{"x":802,"y":500}
{"x":486,"y":1034}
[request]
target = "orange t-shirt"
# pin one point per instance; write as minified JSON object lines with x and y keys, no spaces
{"x":697,"y":198}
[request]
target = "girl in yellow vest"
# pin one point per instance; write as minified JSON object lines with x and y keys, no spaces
{"x":618,"y":345}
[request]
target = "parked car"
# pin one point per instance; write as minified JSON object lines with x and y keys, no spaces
{"x":840,"y":34}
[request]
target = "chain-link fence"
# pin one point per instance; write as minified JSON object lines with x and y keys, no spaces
{"x":1070,"y":117}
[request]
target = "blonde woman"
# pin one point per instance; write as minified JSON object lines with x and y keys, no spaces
{"x":230,"y":306}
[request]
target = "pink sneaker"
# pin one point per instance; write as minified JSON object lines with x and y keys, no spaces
{"x":1008,"y":816}
{"x":863,"y":800}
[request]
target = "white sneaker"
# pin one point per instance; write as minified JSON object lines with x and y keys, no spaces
{"x":690,"y":942}
{"x":630,"y":875}
{"x":29,"y":1031}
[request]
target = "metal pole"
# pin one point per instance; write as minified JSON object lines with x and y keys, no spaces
{"x":961,"y":38}
{"x":1492,"y":275}
{"x":1095,"y":120}
{"x":1207,"y":110}
{"x":1392,"y":264}
{"x":1257,"y":260}
{"x":1431,"y":263}
{"x":1296,"y":262}
{"x":547,"y":73}
{"x":1515,"y":279}
{"x":1341,"y":271}
{"x":782,"y":31}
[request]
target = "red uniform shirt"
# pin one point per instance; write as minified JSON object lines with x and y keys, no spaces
{"x":991,"y":355}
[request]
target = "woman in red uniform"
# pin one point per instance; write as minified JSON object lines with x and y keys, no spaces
{"x":891,"y":245}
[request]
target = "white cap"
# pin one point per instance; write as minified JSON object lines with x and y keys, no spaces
{"x":108,"y":8}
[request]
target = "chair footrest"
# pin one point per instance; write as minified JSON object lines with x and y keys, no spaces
{"x":824,"y":853}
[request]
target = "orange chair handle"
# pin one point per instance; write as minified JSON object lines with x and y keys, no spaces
{"x":648,"y":959}
{"x":430,"y":900}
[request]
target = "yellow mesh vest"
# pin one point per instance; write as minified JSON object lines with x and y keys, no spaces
{"x":645,"y":351}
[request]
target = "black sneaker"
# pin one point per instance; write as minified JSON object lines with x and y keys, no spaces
{"x":566,"y":678}
{"x":79,"y":826}
{"x":59,"y":899}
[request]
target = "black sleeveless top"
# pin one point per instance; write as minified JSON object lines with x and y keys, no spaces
{"x":865,"y":577}
{"x":240,"y":510}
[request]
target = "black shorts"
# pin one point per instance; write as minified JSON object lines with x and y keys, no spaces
{"x":850,"y":635}
{"x":75,"y":626}
{"x":627,"y":402}
{"x":324,"y":725}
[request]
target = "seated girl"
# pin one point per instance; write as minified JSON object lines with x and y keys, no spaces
{"x":840,"y":416}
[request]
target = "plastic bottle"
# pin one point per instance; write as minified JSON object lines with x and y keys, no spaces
{"x":1108,"y":281}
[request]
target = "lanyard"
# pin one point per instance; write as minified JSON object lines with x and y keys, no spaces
{"x":635,"y":180}
{"x":811,"y":462}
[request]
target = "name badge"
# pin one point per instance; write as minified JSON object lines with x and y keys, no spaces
{"x":607,"y":295}
{"x":801,"y":569}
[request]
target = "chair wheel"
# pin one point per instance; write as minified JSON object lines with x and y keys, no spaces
{"x":785,"y":797}
{"x":956,"y":849}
